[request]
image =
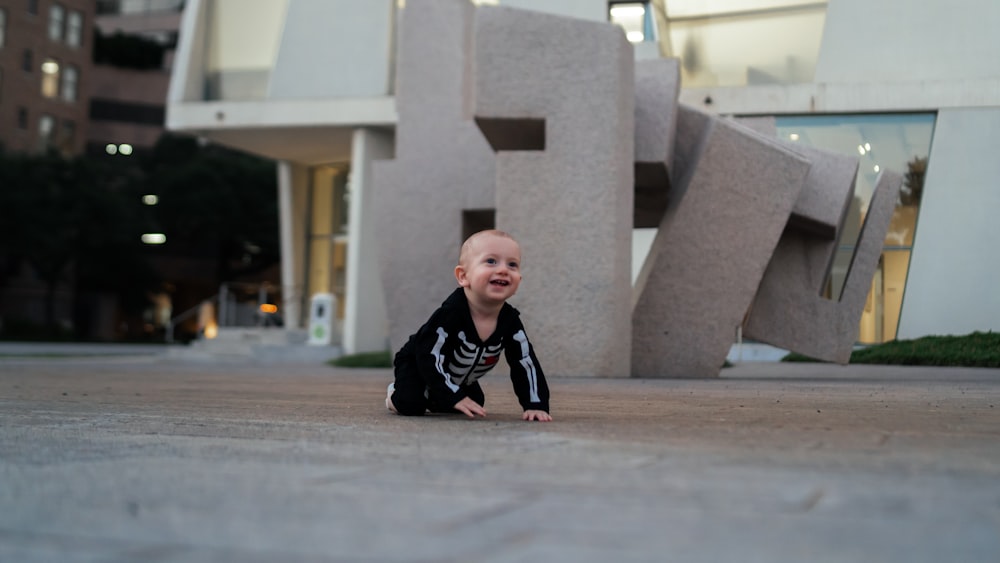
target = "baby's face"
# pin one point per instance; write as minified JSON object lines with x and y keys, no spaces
{"x":492,"y":268}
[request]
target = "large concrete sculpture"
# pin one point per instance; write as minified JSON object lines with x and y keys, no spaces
{"x":721,"y":227}
{"x":549,"y":122}
{"x":563,"y":121}
{"x":443,"y":170}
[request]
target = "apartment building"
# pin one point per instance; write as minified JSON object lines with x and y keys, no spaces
{"x":45,"y":73}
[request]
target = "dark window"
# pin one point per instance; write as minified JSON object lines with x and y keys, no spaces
{"x":26,"y":61}
{"x":3,"y":27}
{"x":109,"y":110}
{"x":33,"y":7}
{"x":22,"y":118}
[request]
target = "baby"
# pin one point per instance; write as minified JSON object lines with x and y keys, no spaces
{"x":439,"y":367}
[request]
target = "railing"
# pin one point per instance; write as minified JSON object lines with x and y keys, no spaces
{"x":231,"y":311}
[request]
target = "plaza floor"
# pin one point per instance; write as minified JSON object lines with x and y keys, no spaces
{"x":139,"y":457}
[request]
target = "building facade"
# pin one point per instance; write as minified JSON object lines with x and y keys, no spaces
{"x":45,"y":73}
{"x":310,"y":83}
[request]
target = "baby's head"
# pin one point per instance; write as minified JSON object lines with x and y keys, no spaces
{"x":489,"y":266}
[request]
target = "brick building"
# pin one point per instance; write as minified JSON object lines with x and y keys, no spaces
{"x":45,"y":74}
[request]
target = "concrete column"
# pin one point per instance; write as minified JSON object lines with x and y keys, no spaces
{"x":292,"y":244}
{"x":366,"y":327}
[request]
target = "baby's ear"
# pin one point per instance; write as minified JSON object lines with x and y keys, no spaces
{"x":460,"y":276}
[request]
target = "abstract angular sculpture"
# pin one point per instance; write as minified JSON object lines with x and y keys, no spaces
{"x":443,"y":164}
{"x":711,"y":250}
{"x":570,"y":204}
{"x":550,"y":122}
{"x":789,"y":310}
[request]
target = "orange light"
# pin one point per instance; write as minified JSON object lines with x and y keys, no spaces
{"x":268,"y":308}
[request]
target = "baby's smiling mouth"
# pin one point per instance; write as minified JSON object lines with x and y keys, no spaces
{"x":500,"y":282}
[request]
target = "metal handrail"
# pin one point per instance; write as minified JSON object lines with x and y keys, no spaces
{"x":190,"y":312}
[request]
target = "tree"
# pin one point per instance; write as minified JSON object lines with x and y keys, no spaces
{"x":70,"y":221}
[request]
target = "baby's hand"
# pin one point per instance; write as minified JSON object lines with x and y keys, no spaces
{"x":470,"y":408}
{"x":540,"y":416}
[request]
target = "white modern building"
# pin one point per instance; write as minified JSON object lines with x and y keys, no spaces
{"x":909,"y":87}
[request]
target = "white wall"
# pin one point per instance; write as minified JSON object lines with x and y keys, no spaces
{"x":952,"y":286}
{"x":334,"y":49}
{"x":903,"y":40}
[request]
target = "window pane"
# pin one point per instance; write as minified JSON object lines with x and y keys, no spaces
{"x":69,"y":83}
{"x":45,"y":126}
{"x":56,"y":16}
{"x":3,"y":26}
{"x":74,"y":29}
{"x":50,"y":78}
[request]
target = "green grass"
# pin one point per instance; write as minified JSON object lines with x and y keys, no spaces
{"x":979,"y":349}
{"x":364,"y":360}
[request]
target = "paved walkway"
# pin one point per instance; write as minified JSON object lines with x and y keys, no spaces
{"x":143,"y":458}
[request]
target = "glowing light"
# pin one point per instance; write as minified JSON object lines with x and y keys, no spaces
{"x":861,"y":150}
{"x":111,"y":148}
{"x":868,"y":147}
{"x":50,"y":67}
{"x":150,"y":199}
{"x":268,"y":308}
{"x":627,"y":11}
{"x":154,"y":238}
{"x":125,"y":149}
{"x":211,"y":330}
{"x":794,"y":136}
{"x":876,"y":168}
{"x":635,"y":36}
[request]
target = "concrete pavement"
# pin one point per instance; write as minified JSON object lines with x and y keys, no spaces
{"x":146,"y":458}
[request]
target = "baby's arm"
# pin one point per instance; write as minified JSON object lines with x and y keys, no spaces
{"x":540,"y":416}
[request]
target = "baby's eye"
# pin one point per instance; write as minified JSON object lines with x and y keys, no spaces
{"x":512,"y":265}
{"x":491,"y":261}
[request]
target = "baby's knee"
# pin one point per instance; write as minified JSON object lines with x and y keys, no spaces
{"x":403,"y":407}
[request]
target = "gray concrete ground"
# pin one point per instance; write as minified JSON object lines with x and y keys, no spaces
{"x":141,"y":457}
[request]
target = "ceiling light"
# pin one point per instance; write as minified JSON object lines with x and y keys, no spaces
{"x":150,"y":199}
{"x":154,"y":238}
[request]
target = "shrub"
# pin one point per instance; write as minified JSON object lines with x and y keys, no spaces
{"x":978,"y":349}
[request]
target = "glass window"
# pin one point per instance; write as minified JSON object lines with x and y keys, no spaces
{"x":741,"y":42}
{"x":241,"y":45}
{"x":70,"y":79}
{"x":50,"y":78}
{"x":33,"y":7}
{"x":26,"y":61}
{"x":74,"y":29}
{"x":68,"y":136}
{"x":897,"y":142}
{"x":636,"y":18}
{"x":57,"y":16}
{"x":46,"y":125}
{"x":22,"y":118}
{"x":3,"y":27}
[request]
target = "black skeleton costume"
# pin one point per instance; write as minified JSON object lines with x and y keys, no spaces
{"x":442,"y":362}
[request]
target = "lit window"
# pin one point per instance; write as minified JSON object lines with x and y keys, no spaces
{"x":70,"y":79}
{"x":50,"y":78}
{"x":57,"y":17}
{"x":74,"y":29}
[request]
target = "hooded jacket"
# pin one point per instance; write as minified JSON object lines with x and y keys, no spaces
{"x":448,"y":355}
